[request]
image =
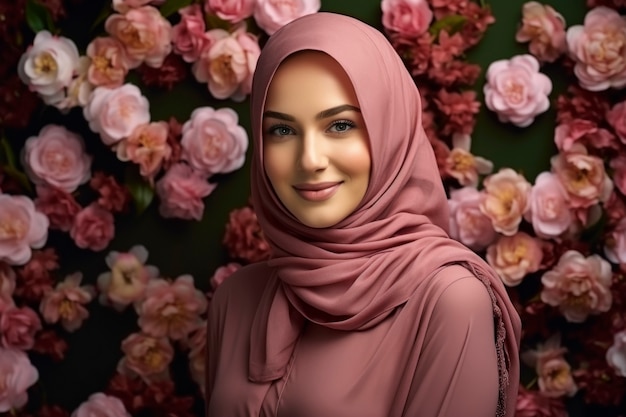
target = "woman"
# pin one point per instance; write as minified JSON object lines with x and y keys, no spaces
{"x":366,"y":307}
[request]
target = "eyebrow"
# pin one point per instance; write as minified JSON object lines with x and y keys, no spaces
{"x":321,"y":115}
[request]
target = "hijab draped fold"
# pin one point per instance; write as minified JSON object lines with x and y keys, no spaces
{"x":354,"y":274}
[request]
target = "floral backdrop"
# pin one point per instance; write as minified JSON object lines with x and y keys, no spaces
{"x":124,"y":144}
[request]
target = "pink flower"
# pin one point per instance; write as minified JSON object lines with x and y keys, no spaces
{"x":181,"y":191}
{"x":197,"y":356}
{"x":244,"y":238}
{"x":147,"y":357}
{"x":616,"y":117}
{"x":213,"y":142}
{"x":468,"y":224}
{"x":227,"y":63}
{"x":101,"y":405}
{"x":579,"y":286}
{"x":513,"y":257}
{"x":122,"y":6}
{"x":59,"y":206}
{"x":534,"y":404}
{"x":459,"y":110}
{"x":109,"y":63}
{"x":516,"y":90}
{"x":616,"y":354}
{"x":129,"y":276}
{"x":171,"y":309}
{"x":222,"y":273}
{"x":549,"y":208}
{"x":271,"y":15}
{"x":544,"y":28}
{"x":598,"y":49}
{"x":23,"y":228}
{"x":584,"y":132}
{"x":93,"y":228}
{"x":113,"y":196}
{"x":618,"y":164}
{"x":147,"y":146}
{"x":7,"y":285}
{"x":65,"y":303}
{"x":144,"y":32}
{"x":554,"y":373}
{"x":49,"y":65}
{"x":615,"y":243}
{"x":583,"y":176}
{"x":505,"y":200}
{"x":18,"y":327}
{"x":17,"y":374}
{"x":115,"y":113}
{"x":57,"y":157}
{"x":233,"y":11}
{"x":407,"y":17}
{"x":188,"y":36}
{"x":464,"y":166}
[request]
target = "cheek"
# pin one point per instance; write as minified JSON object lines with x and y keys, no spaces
{"x":276,"y":162}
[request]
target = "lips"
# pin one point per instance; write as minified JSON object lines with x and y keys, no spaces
{"x":317,"y":191}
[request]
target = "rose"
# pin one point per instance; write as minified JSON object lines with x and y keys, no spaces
{"x":244,"y":238}
{"x":222,"y":273}
{"x":578,"y":285}
{"x":409,"y":18}
{"x":18,"y":327}
{"x":462,"y":165}
{"x":101,"y":405}
{"x":59,"y":206}
{"x":597,"y":47}
{"x":48,"y":66}
{"x":188,"y":36}
{"x":7,"y":285}
{"x":513,"y":257}
{"x":468,"y":224}
{"x":549,"y":208}
{"x":23,"y":228}
{"x":144,"y":32}
{"x":516,"y":90}
{"x":122,"y":6}
{"x":147,"y":146}
{"x":618,"y":164}
{"x":554,"y":375}
{"x":584,"y":132}
{"x":57,"y":157}
{"x":544,"y":28}
{"x":146,"y":356}
{"x":615,"y":243}
{"x":616,"y":354}
{"x":271,"y":15}
{"x":65,"y":303}
{"x":109,"y":63}
{"x":115,"y":113}
{"x":93,"y":228}
{"x":616,"y":117}
{"x":505,"y":200}
{"x":213,"y":141}
{"x":17,"y":374}
{"x":231,"y":10}
{"x":181,"y":191}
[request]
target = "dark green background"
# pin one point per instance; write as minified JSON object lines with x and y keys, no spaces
{"x":187,"y":247}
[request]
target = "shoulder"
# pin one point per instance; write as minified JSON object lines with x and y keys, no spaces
{"x":242,"y":289}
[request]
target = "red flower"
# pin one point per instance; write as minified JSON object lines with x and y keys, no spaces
{"x":459,"y":110}
{"x":244,"y":238}
{"x":49,"y":343}
{"x":113,"y":196}
{"x":172,"y":71}
{"x":34,"y":278}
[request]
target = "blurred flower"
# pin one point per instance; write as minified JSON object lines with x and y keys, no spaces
{"x":514,"y":257}
{"x":506,"y":199}
{"x":459,"y":110}
{"x":17,"y":374}
{"x":65,"y":303}
{"x":49,"y":343}
{"x":468,"y":224}
{"x":93,"y":228}
{"x":583,"y":132}
{"x":109,"y":64}
{"x":21,"y":228}
{"x":549,"y":207}
{"x":146,"y":356}
{"x":173,"y":71}
{"x":34,"y":277}
{"x":232,"y":11}
{"x":146,"y":146}
{"x":181,"y":190}
{"x":59,"y":206}
{"x":188,"y":36}
{"x":616,"y":354}
{"x":410,"y":18}
{"x":271,"y":15}
{"x":123,"y":6}
{"x":615,"y":243}
{"x":544,"y":28}
{"x":616,"y":117}
{"x":464,"y":166}
{"x":101,"y":405}
{"x":223,"y":272}
{"x":244,"y":238}
{"x":113,"y":196}
{"x":554,"y":373}
{"x":534,"y":404}
{"x":18,"y":327}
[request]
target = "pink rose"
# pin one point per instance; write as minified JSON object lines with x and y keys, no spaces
{"x":549,"y":208}
{"x":59,"y":206}
{"x":597,"y":47}
{"x":17,"y":375}
{"x":462,"y":165}
{"x":615,"y":243}
{"x":213,"y":142}
{"x":223,"y":272}
{"x":584,"y":132}
{"x":544,"y":28}
{"x":93,"y":228}
{"x":66,"y":302}
{"x":227,"y":63}
{"x":271,"y":15}
{"x":233,"y":11}
{"x":554,"y":375}
{"x":514,"y":257}
{"x":468,"y":224}
{"x":534,"y":404}
{"x":181,"y":191}
{"x":23,"y":228}
{"x":7,"y":285}
{"x":579,"y":286}
{"x":618,"y":164}
{"x":109,"y":63}
{"x":188,"y":36}
{"x":616,"y":354}
{"x":505,"y":200}
{"x":244,"y":238}
{"x":409,"y":18}
{"x":147,"y":147}
{"x":115,"y":113}
{"x":144,"y":32}
{"x":49,"y":65}
{"x":122,"y":6}
{"x":57,"y":158}
{"x":101,"y":405}
{"x":171,"y":309}
{"x":516,"y":91}
{"x":147,"y":357}
{"x":616,"y":117}
{"x":18,"y":327}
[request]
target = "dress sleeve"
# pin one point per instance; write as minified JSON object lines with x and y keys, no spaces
{"x":457,"y":373}
{"x":212,"y":349}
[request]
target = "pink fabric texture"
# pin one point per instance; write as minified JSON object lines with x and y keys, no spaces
{"x":355,"y":274}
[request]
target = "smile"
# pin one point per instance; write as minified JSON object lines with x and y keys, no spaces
{"x":317,"y":192}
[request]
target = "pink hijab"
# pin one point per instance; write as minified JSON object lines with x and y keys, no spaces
{"x":352,"y":275}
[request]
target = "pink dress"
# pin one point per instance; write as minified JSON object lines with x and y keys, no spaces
{"x":446,"y":367}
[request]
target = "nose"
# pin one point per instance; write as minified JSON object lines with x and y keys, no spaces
{"x":312,"y":153}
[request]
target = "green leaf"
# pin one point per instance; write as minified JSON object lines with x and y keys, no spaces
{"x":38,"y":17}
{"x":9,"y":167}
{"x":172,"y":6}
{"x":105,"y":12}
{"x":451,"y":24}
{"x":214,"y":22}
{"x":140,"y":189}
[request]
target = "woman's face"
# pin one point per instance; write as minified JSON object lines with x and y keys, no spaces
{"x":315,"y":144}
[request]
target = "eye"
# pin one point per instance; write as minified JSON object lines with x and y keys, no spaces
{"x":280,"y":130}
{"x":341,"y":126}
